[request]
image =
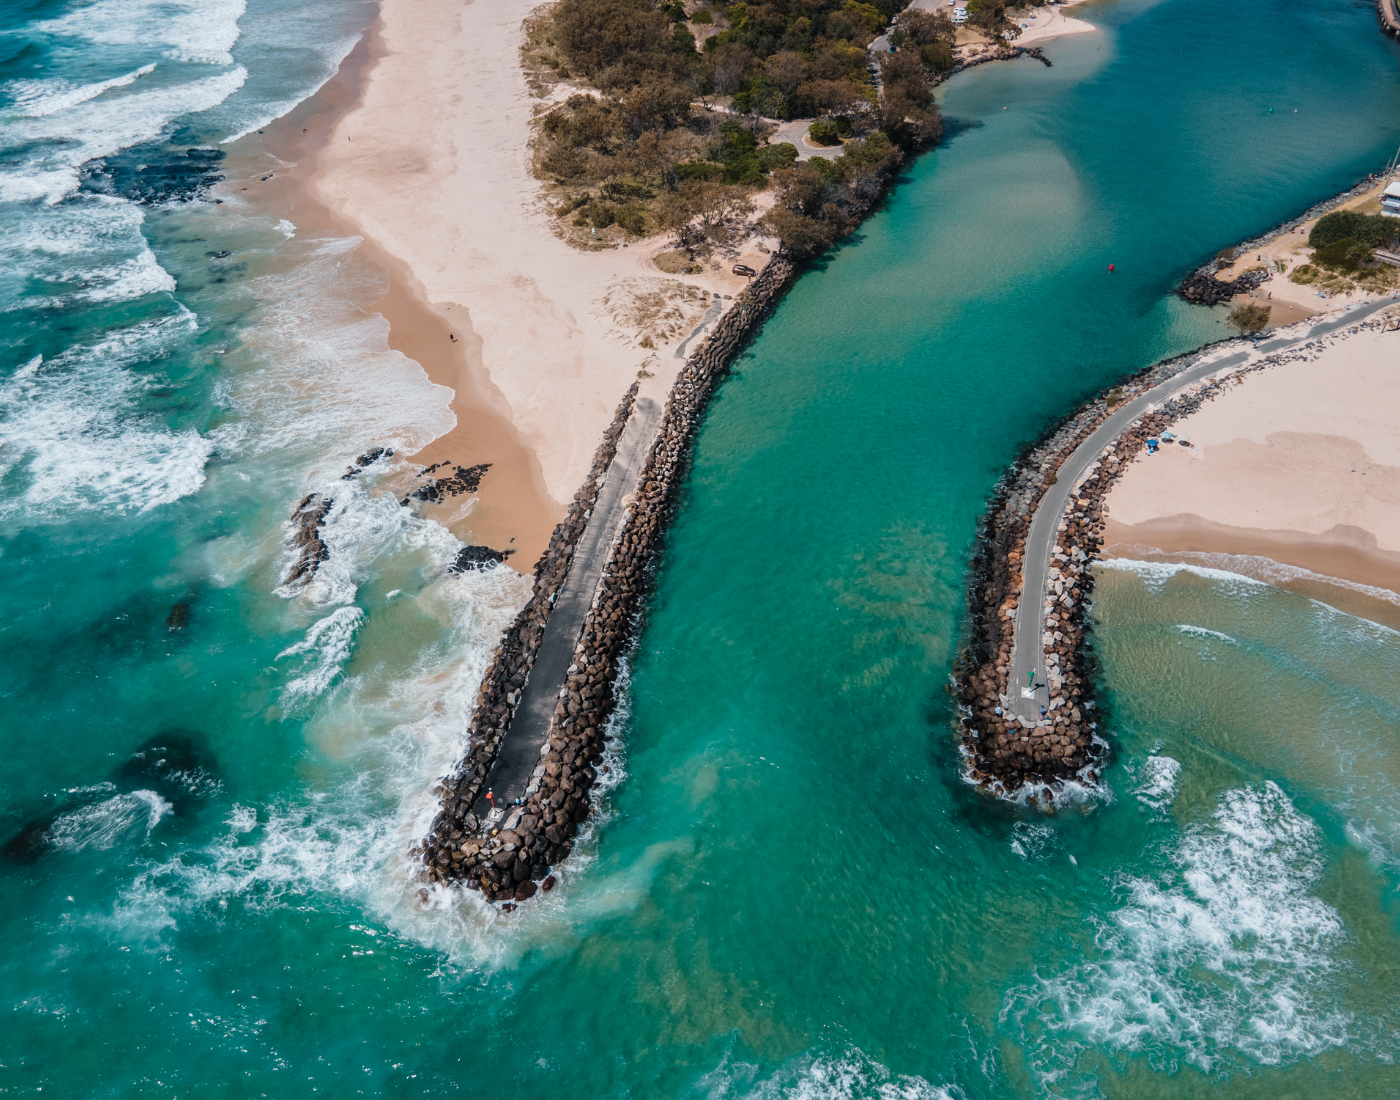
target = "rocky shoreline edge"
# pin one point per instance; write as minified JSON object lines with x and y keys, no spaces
{"x":511,"y":863}
{"x":1201,"y":287}
{"x":1000,"y":753}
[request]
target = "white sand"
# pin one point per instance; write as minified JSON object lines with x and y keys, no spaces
{"x":432,"y":164}
{"x":1299,"y":462}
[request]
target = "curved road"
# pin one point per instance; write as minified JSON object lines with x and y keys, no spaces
{"x":1027,"y":652}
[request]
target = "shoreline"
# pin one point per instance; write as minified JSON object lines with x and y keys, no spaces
{"x":1007,"y":747}
{"x":512,"y":507}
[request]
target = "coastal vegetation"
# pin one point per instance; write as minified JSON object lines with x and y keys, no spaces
{"x":1344,"y":244}
{"x":1249,"y":317}
{"x":660,"y":135}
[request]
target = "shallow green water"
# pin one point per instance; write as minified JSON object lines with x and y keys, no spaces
{"x":790,"y":893}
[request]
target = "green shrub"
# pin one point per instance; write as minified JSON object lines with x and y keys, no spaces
{"x":824,"y":132}
{"x":1372,"y":229}
{"x":1360,"y":254}
{"x":1249,"y":316}
{"x":600,"y":214}
{"x":699,"y":170}
{"x":703,"y":18}
{"x":938,"y":56}
{"x":633,"y":219}
{"x":1337,"y":254}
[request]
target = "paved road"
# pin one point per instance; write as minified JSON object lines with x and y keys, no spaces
{"x":1027,"y":652}
{"x":520,"y":752}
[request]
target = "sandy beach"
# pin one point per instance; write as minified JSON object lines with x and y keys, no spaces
{"x":1298,"y":464}
{"x":1292,"y":302}
{"x":420,"y":146}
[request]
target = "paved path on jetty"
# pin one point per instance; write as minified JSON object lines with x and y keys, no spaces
{"x":520,"y":751}
{"x":1027,"y":650}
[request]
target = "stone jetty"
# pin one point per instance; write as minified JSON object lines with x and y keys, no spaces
{"x":511,"y":862}
{"x":1008,"y":744}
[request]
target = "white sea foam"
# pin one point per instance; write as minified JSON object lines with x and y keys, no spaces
{"x":105,"y":824}
{"x":322,"y":378}
{"x":324,"y":651}
{"x":849,"y":1076}
{"x":199,"y":31}
{"x":398,"y":730}
{"x":37,"y":98}
{"x":1158,"y":777}
{"x":1031,"y":840}
{"x":1204,"y":632}
{"x":75,"y":443}
{"x":1226,"y":953}
{"x":1157,"y":573}
{"x":48,"y":150}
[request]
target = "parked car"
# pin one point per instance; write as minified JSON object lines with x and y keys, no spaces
{"x":745,"y":270}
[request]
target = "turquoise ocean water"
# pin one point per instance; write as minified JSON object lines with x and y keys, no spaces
{"x":790,"y":893}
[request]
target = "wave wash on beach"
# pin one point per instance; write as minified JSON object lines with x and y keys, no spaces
{"x":268,"y":443}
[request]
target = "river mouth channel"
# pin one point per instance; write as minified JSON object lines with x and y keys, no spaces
{"x":788,"y":890}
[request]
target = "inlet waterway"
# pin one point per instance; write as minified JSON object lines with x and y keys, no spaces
{"x":789,"y":892}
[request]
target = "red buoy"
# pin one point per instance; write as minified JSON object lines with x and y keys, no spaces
{"x":1110,"y":267}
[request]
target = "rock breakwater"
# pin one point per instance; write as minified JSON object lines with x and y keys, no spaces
{"x":513,"y":862}
{"x":1202,"y":288}
{"x":1004,"y":752}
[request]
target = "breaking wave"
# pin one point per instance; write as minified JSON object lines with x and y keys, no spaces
{"x":1225,"y":953}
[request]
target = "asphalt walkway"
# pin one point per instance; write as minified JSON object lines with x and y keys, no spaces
{"x":525,"y":737}
{"x":1028,"y":652}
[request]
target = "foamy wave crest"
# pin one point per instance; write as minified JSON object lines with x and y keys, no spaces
{"x":324,"y":379}
{"x":105,"y":824}
{"x":1227,"y":953}
{"x":398,"y":730}
{"x":1157,"y":781}
{"x":324,"y":650}
{"x":73,"y":441}
{"x":201,"y":31}
{"x":1156,"y":573}
{"x":49,"y":149}
{"x":1203,"y":632}
{"x":851,"y":1076}
{"x":365,"y":530}
{"x":37,"y":98}
{"x":1268,"y":571}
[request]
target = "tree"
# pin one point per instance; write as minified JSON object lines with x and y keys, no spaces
{"x":1249,"y":317}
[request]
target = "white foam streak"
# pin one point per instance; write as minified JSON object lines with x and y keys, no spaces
{"x":326,"y":648}
{"x":37,"y":98}
{"x":68,"y":427}
{"x":850,"y":1076}
{"x":1157,"y":785}
{"x":50,"y":149}
{"x":1204,"y":632}
{"x":1226,"y":953}
{"x":105,"y":824}
{"x":198,"y":31}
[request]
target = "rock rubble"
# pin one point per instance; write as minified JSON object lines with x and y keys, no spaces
{"x":507,"y":865}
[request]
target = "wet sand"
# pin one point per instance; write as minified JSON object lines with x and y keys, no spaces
{"x":1299,"y":465}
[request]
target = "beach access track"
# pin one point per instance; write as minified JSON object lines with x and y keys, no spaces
{"x":521,"y":750}
{"x":1028,"y":663}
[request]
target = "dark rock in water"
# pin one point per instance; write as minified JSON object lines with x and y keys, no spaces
{"x":525,"y":891}
{"x":29,"y":843}
{"x":477,"y":557}
{"x":1204,"y":289}
{"x":223,"y":255}
{"x":464,"y":479}
{"x":157,"y":171}
{"x":175,"y":764}
{"x":179,"y":617}
{"x":374,"y":454}
{"x":308,"y":518}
